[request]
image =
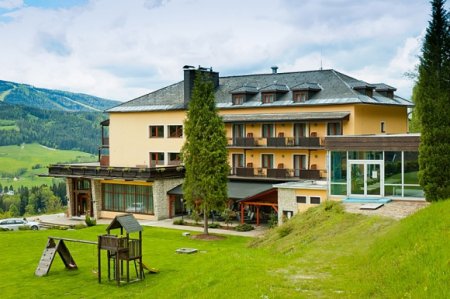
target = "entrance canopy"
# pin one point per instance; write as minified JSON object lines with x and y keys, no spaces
{"x":236,"y":190}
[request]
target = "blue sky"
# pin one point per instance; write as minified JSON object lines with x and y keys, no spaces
{"x":123,"y":49}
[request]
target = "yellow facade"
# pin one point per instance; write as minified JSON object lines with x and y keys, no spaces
{"x":322,"y":193}
{"x":131,"y":145}
{"x":368,"y":119}
{"x":130,"y":142}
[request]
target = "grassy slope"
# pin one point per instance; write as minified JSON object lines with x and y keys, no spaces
{"x":412,"y":260}
{"x":326,"y":254}
{"x":12,"y":158}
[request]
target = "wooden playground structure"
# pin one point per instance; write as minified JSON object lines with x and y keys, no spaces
{"x":120,"y":251}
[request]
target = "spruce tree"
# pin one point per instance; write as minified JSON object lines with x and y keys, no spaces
{"x":432,"y":99}
{"x":204,"y":153}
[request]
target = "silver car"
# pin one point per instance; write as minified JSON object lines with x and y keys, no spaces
{"x":15,"y":223}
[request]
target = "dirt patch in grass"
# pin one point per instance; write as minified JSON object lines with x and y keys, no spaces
{"x":207,"y":237}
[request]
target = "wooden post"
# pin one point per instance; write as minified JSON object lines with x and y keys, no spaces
{"x":242,"y":213}
{"x":99,"y":263}
{"x":257,"y":216}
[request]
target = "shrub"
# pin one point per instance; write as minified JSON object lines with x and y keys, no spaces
{"x":3,"y":229}
{"x":334,"y":206}
{"x":285,"y":230}
{"x":24,"y":227}
{"x":179,"y":222}
{"x":89,"y":221}
{"x":273,"y":220}
{"x":244,"y":227}
{"x":214,"y":225}
{"x":79,"y":226}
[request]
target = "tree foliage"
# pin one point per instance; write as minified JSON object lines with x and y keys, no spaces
{"x":56,"y":129}
{"x":204,"y":153}
{"x":432,"y":99}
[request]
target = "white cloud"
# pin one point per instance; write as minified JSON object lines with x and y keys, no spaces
{"x":123,"y":49}
{"x":11,"y":4}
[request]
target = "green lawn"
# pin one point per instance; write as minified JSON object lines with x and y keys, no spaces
{"x":29,"y":156}
{"x":323,"y":253}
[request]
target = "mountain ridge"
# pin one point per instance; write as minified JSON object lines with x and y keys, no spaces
{"x":51,"y":99}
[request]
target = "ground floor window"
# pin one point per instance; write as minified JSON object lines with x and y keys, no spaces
{"x":388,"y":173}
{"x":128,"y":198}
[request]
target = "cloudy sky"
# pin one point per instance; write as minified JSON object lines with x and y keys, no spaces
{"x":121,"y":49}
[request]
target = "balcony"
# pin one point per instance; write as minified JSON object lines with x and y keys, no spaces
{"x":277,"y":173}
{"x":286,"y":142}
{"x":126,"y":173}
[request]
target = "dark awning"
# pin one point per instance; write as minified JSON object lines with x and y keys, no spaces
{"x":385,"y":142}
{"x":282,"y":117}
{"x":236,"y":190}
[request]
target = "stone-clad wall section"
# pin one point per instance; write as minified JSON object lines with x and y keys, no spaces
{"x":96,"y":186}
{"x":286,"y":202}
{"x":160,"y":200}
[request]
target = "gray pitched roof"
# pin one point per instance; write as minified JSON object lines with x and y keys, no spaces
{"x":336,"y":88}
{"x":306,"y":86}
{"x":236,"y":190}
{"x":127,"y":222}
{"x":280,"y":117}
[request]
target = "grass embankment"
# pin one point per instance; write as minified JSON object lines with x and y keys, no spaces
{"x":26,"y":162}
{"x":322,"y":253}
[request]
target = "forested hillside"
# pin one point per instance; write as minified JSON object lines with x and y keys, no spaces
{"x":49,"y":99}
{"x":56,"y":129}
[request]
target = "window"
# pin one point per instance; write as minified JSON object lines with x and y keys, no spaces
{"x":238,"y":99}
{"x":82,"y":184}
{"x":176,"y":131}
{"x":268,"y":97}
{"x":156,"y":131}
{"x":267,"y":160}
{"x":334,"y":129}
{"x":156,"y":159}
{"x":301,"y":199}
{"x":300,"y":96}
{"x":268,"y":130}
{"x":382,"y":128}
{"x":314,"y":200}
{"x":127,"y":198}
{"x":174,"y":159}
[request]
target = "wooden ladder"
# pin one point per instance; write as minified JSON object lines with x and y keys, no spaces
{"x":48,"y":256}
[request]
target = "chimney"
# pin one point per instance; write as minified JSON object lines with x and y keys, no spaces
{"x":189,"y":78}
{"x":274,"y":69}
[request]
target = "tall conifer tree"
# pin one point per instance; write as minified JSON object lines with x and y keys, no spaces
{"x":204,"y":153}
{"x":432,"y":99}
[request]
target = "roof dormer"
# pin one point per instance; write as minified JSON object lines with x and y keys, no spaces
{"x":242,"y":94}
{"x":385,"y":90}
{"x":363,"y":88}
{"x":304,"y":91}
{"x":273,"y":92}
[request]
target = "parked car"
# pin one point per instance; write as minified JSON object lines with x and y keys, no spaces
{"x":137,"y":207}
{"x":15,"y":223}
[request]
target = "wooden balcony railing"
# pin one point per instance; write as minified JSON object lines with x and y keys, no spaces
{"x":275,"y":142}
{"x":279,"y":173}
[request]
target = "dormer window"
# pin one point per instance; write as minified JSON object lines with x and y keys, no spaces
{"x":304,"y":91}
{"x":268,"y":98}
{"x":238,"y":99}
{"x":300,"y":96}
{"x":385,"y":90}
{"x":363,"y":88}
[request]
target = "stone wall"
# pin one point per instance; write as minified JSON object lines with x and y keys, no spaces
{"x":96,"y":189}
{"x":69,"y":195}
{"x":160,"y":199}
{"x":286,"y":202}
